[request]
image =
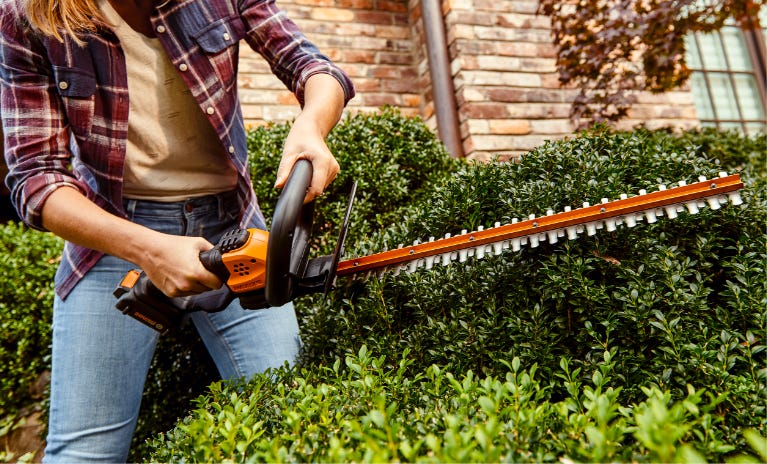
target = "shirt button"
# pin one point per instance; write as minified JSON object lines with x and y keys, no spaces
{"x":160,"y":29}
{"x":210,"y":110}
{"x":183,"y":67}
{"x":231,"y":149}
{"x":226,"y":36}
{"x":63,"y":85}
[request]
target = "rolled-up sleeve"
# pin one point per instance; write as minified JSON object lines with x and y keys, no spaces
{"x":36,"y":139}
{"x":290,"y":54}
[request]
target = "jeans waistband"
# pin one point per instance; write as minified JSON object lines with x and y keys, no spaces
{"x":221,"y":202}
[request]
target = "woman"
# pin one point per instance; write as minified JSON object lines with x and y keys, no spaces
{"x":124,"y":136}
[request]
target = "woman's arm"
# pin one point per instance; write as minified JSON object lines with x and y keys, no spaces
{"x":172,"y":263}
{"x":323,"y":105}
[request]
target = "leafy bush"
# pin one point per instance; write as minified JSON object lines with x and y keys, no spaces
{"x":28,"y":261}
{"x":394,"y":159}
{"x":672,"y":312}
{"x":373,"y":410}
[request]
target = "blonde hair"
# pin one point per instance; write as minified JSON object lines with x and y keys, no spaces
{"x":64,"y":17}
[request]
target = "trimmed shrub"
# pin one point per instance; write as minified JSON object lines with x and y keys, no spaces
{"x":393,"y":158}
{"x":369,"y":409}
{"x":672,"y":312}
{"x":28,"y":260}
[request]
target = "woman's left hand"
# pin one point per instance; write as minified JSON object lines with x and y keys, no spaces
{"x":305,"y":142}
{"x":323,"y":104}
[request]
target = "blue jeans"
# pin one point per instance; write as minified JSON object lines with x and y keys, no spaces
{"x":101,"y":357}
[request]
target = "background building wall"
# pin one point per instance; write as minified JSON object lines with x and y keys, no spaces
{"x":502,"y":60}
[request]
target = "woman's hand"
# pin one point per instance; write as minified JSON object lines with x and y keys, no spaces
{"x":173,"y":265}
{"x":305,"y":142}
{"x":323,"y":104}
{"x":171,"y":262}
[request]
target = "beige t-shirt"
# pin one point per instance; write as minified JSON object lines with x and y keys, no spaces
{"x":173,"y":152}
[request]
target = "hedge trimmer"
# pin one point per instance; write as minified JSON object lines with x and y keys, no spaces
{"x":266,"y":269}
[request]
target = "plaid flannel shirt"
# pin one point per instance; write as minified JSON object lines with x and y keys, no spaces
{"x":65,"y":107}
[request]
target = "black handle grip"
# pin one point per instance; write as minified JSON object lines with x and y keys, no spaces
{"x":289,"y":236}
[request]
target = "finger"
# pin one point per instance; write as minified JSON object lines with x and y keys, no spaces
{"x":283,"y":171}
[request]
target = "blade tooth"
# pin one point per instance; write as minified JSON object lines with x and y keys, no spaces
{"x":380,"y":272}
{"x":464,"y":253}
{"x":497,"y":224}
{"x":397,"y":269}
{"x":611,"y":225}
{"x":591,"y":228}
{"x":682,"y":183}
{"x":671,"y":211}
{"x":722,"y":174}
{"x":651,"y":216}
{"x":445,"y":259}
{"x":552,"y":236}
{"x":713,"y":203}
{"x":572,"y":233}
{"x":412,"y":266}
{"x":661,"y":187}
{"x":516,"y":244}
{"x":631,"y":220}
{"x":701,"y":178}
{"x":480,"y":252}
{"x":692,"y":207}
{"x":497,"y":248}
{"x":506,"y":244}
{"x":533,"y":240}
{"x":735,"y":198}
{"x":428,"y":262}
{"x":624,"y":196}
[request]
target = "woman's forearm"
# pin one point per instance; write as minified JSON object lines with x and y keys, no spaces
{"x":172,"y":263}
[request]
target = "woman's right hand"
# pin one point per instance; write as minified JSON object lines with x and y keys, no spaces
{"x":173,"y":265}
{"x":171,"y":262}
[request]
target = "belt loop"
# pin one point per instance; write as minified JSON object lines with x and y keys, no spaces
{"x":130,"y":208}
{"x":221,"y":206}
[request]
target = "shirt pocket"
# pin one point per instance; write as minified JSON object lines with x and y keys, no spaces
{"x":77,"y":88}
{"x":219,"y":41}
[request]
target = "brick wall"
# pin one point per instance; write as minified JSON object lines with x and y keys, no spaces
{"x":502,"y":63}
{"x":369,"y":39}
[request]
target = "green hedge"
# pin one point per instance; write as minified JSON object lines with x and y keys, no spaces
{"x":612,"y":341}
{"x":392,"y":157}
{"x":667,"y":315}
{"x":370,"y":409}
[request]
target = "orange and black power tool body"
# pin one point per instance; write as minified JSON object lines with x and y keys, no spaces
{"x":260,"y":268}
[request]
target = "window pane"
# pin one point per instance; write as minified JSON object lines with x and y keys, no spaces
{"x":754,"y":128}
{"x":701,"y":96}
{"x":737,"y":51}
{"x":723,"y":96}
{"x":712,"y":52}
{"x":693,"y":56}
{"x":748,"y":96}
{"x":731,"y":126}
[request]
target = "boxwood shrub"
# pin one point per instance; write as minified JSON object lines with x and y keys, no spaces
{"x":647,"y":343}
{"x":643,"y":344}
{"x":393,"y":158}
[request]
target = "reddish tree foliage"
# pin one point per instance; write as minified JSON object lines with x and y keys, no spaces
{"x":610,"y":49}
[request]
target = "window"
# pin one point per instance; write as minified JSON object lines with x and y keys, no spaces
{"x":728,"y":79}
